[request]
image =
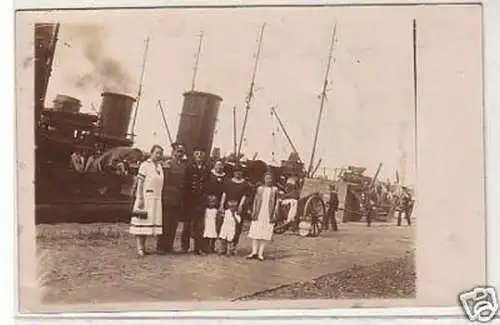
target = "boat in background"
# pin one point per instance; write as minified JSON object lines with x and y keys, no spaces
{"x":63,"y":194}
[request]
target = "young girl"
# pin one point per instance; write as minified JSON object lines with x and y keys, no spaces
{"x":210,"y":232}
{"x":264,"y":206}
{"x":228,"y":229}
{"x":236,"y":189}
{"x":147,"y":218}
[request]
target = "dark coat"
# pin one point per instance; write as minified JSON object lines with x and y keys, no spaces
{"x":196,"y":186}
{"x":334,"y":201}
{"x":175,"y":183}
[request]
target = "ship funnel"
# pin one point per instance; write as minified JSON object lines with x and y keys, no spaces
{"x":198,"y":120}
{"x":69,"y":104}
{"x":115,"y":114}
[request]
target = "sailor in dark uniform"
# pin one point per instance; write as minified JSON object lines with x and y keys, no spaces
{"x":172,"y":197}
{"x":195,"y":201}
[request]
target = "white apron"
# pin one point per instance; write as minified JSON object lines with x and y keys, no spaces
{"x":228,"y":229}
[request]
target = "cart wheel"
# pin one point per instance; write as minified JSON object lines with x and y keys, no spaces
{"x":314,"y":212}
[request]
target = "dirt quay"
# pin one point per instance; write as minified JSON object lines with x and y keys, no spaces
{"x":96,"y":263}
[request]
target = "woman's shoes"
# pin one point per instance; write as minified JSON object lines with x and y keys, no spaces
{"x":141,"y":253}
{"x":260,"y":258}
{"x":251,"y":256}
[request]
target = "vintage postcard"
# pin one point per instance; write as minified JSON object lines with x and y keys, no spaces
{"x":249,"y":157}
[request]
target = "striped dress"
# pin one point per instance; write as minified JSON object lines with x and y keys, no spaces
{"x":152,"y":176}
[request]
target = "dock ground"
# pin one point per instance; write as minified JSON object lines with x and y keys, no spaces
{"x":96,"y":263}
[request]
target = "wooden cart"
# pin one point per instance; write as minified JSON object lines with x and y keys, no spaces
{"x":311,"y":210}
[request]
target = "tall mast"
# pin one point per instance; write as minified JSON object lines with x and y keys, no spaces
{"x":235,"y":136}
{"x":415,"y":90}
{"x":169,"y":135}
{"x":316,"y":168}
{"x":195,"y":69}
{"x":273,"y":111}
{"x":139,"y":91}
{"x":250,"y":92}
{"x":374,"y":179}
{"x":50,"y":59}
{"x":323,"y":96}
{"x":46,"y":37}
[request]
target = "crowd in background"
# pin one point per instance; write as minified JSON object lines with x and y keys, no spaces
{"x":88,"y":162}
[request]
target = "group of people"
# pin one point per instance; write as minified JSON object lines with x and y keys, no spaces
{"x":82,"y":162}
{"x":400,"y":201}
{"x":210,"y":204}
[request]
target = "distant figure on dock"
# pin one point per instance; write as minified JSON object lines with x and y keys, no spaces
{"x":369,"y":203}
{"x":333,"y":206}
{"x":405,"y":207}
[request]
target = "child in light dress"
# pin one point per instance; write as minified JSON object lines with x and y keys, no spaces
{"x":228,"y":229}
{"x":263,"y":216}
{"x":210,"y":232}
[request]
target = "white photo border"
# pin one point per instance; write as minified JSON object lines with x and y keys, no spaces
{"x":491,"y":21}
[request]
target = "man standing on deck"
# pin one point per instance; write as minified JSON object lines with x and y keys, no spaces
{"x":172,"y":198}
{"x":197,"y":173}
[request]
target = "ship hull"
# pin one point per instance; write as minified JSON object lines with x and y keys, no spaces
{"x":66,"y":196}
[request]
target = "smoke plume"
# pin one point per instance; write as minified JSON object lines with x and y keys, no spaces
{"x":107,"y":74}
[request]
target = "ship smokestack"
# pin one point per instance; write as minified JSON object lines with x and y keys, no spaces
{"x":198,"y":120}
{"x":116,"y":109}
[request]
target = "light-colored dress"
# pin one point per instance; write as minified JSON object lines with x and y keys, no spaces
{"x":262,"y":228}
{"x":228,"y":228}
{"x":152,"y":176}
{"x":210,"y":231}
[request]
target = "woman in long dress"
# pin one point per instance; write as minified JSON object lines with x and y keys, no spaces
{"x":264,"y":207}
{"x":147,"y":217}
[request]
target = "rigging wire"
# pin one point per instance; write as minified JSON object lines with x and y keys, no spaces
{"x":283,"y":142}
{"x":273,"y":135}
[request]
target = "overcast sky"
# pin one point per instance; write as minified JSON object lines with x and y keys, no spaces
{"x":368,"y":115}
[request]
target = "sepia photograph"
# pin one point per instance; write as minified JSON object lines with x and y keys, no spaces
{"x":243,"y":154}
